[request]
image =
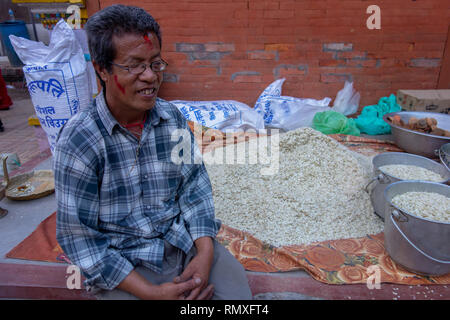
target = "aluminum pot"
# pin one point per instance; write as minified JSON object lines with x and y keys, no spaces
{"x":382,"y":179}
{"x":418,"y":244}
{"x":411,"y":141}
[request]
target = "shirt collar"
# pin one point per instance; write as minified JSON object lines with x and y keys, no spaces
{"x":156,"y":113}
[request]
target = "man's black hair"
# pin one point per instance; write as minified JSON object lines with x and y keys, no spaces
{"x":116,"y":20}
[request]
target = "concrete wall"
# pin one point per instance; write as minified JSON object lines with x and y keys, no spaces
{"x":232,"y":49}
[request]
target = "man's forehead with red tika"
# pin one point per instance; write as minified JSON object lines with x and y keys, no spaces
{"x":147,"y":39}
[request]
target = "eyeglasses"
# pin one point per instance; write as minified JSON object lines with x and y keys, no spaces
{"x":155,"y":66}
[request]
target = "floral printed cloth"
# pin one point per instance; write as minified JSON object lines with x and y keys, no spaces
{"x":344,"y":261}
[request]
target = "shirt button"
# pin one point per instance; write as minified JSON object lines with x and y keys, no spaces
{"x":146,"y":176}
{"x":148,"y":207}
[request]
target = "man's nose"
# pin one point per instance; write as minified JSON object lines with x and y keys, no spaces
{"x":148,"y":74}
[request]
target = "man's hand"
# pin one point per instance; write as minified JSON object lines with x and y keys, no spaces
{"x":199,"y":268}
{"x":178,"y":291}
{"x":141,"y":288}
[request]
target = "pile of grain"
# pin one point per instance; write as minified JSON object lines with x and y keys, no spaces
{"x":411,"y":172}
{"x":318,"y":193}
{"x":429,"y":205}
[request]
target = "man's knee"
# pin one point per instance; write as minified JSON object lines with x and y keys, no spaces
{"x":228,"y":276}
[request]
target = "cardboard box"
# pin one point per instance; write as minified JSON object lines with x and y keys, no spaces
{"x":425,"y":100}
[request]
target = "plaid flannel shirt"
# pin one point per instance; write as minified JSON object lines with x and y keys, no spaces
{"x":118,"y":198}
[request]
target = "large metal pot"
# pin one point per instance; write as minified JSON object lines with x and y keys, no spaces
{"x":418,"y":244}
{"x":411,"y":141}
{"x":382,"y":179}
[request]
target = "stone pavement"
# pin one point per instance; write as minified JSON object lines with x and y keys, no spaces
{"x":41,"y":280}
{"x":28,"y":142}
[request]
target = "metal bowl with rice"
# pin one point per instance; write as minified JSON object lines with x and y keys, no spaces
{"x":416,"y":239}
{"x":383,"y":177}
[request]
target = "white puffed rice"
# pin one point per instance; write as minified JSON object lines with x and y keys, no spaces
{"x":429,"y":205}
{"x":411,"y":172}
{"x":318,"y":193}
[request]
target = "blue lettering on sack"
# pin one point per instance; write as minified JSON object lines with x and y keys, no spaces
{"x":199,"y":117}
{"x":285,"y":107}
{"x":45,"y":110}
{"x":36,"y":68}
{"x":268,"y":114}
{"x":52,"y":86}
{"x":203,"y":107}
{"x":75,"y":105}
{"x":185,"y":112}
{"x":226,"y":114}
{"x":268,"y":117}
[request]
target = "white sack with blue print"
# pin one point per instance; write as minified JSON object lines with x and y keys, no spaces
{"x":223,"y":115}
{"x":287,"y":113}
{"x":57,"y":78}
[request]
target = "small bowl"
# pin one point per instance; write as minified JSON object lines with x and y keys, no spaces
{"x":419,"y":143}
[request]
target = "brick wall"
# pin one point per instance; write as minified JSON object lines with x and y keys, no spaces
{"x":233,"y":49}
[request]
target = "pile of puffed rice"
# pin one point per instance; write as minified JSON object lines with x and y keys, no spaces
{"x":316,"y":195}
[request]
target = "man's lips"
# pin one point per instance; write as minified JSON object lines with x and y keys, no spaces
{"x":147,"y":91}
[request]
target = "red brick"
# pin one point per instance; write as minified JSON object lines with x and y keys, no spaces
{"x":278,"y":14}
{"x":263,"y":5}
{"x":289,"y":70}
{"x":397,"y":46}
{"x":247,"y":78}
{"x":425,"y":63}
{"x":329,"y":63}
{"x":204,"y":71}
{"x":335,"y":77}
{"x":291,"y":55}
{"x":262,"y":55}
{"x":219,"y":47}
{"x":279,"y":47}
{"x":352,"y":55}
{"x":277,"y":31}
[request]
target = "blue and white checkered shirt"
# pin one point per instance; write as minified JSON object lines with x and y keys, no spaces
{"x":118,"y":198}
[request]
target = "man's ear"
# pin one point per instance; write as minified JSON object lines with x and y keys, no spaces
{"x":101,"y":72}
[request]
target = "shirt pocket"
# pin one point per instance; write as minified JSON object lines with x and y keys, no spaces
{"x":160,"y":192}
{"x":118,"y":197}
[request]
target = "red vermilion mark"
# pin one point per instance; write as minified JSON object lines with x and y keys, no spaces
{"x":147,"y":39}
{"x":122,"y":89}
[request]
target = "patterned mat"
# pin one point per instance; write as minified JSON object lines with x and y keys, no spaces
{"x":344,"y":261}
